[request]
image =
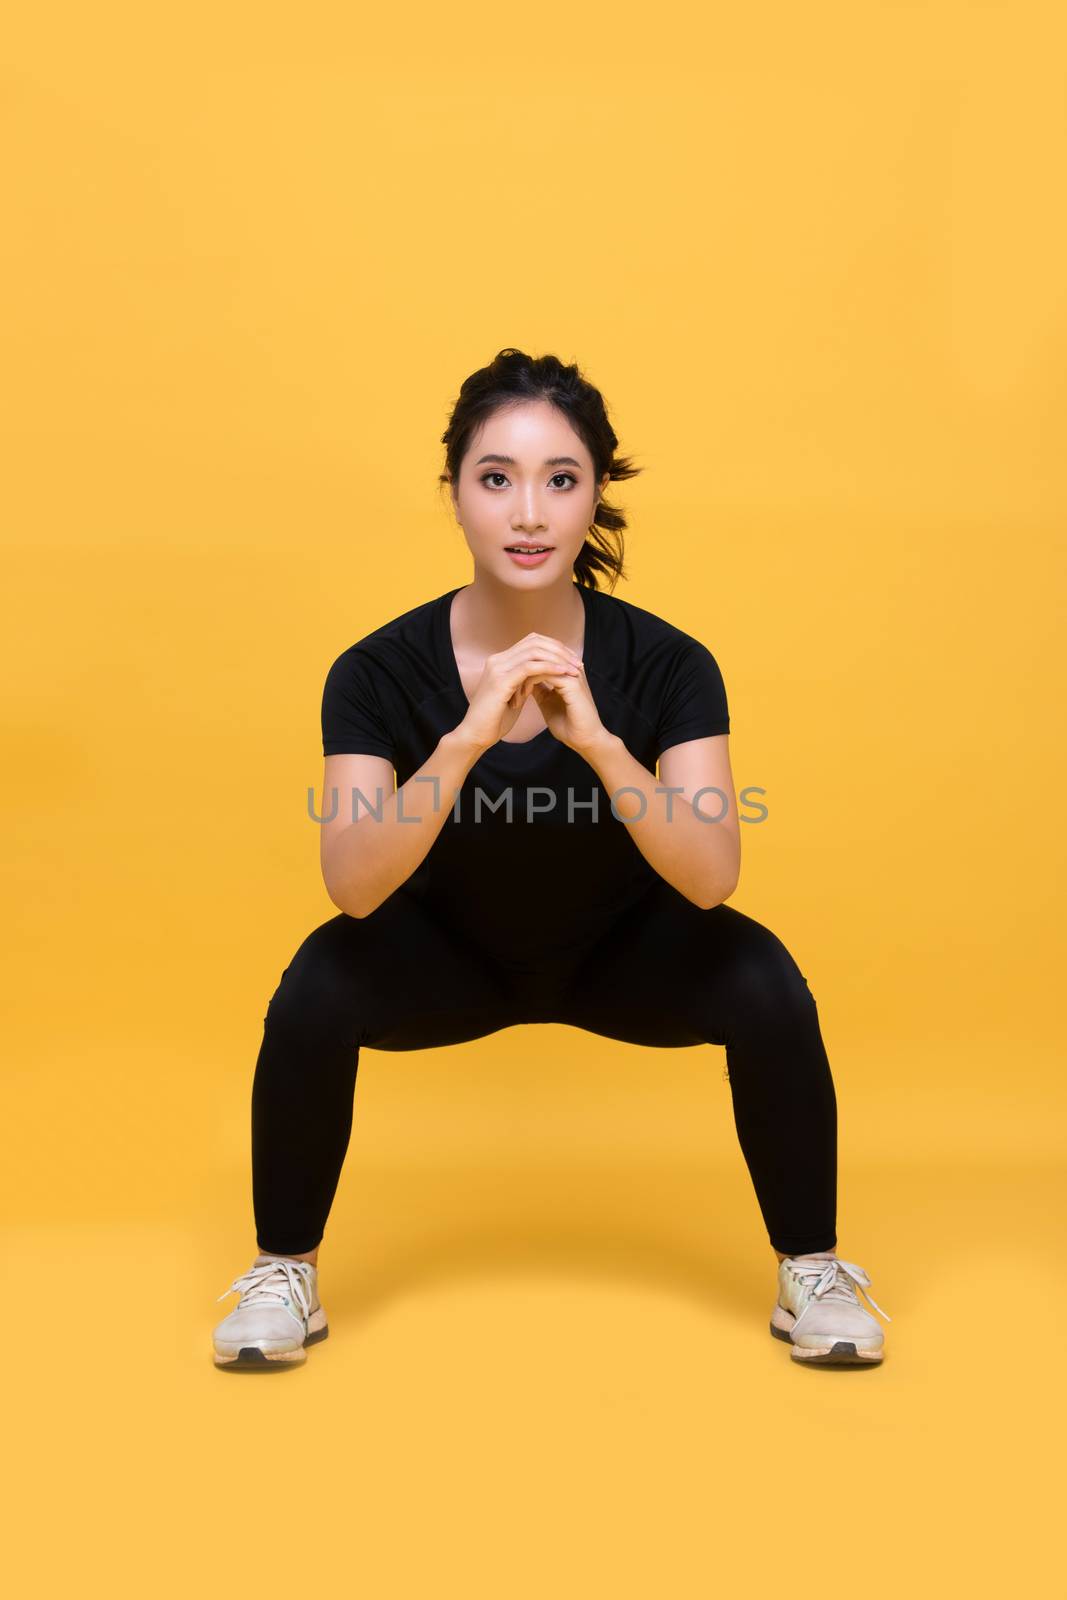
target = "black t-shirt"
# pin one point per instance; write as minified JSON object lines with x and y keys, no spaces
{"x":539,"y":889}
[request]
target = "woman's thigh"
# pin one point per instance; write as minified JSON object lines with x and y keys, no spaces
{"x":398,"y":979}
{"x":672,"y":974}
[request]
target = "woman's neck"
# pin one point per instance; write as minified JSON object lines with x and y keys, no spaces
{"x":489,"y":616}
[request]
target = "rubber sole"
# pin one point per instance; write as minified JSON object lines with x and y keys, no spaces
{"x":251,"y":1358}
{"x":840,"y":1354}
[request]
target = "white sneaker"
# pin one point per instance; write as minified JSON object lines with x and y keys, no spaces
{"x":278,"y":1316}
{"x":819,"y":1315}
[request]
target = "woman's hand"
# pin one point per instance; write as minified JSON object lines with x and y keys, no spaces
{"x":509,"y":677}
{"x":568,"y":708}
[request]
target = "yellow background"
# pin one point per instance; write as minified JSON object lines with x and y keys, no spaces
{"x":814,"y":256}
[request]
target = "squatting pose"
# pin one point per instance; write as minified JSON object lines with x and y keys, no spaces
{"x":531,"y":866}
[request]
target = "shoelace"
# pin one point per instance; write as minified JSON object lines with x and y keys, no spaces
{"x":826,"y":1281}
{"x":255,"y":1287}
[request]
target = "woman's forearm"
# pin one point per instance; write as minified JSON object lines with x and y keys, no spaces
{"x":374,"y":855}
{"x":688,"y":850}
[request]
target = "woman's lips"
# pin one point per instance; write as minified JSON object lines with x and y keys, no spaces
{"x":526,"y":560}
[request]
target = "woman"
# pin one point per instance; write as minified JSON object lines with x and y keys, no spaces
{"x":529,"y":867}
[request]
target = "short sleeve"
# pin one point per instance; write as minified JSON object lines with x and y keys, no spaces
{"x":694,"y":701}
{"x":352,"y":721}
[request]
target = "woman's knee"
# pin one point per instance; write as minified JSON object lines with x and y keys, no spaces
{"x":319,"y":995}
{"x":761,"y":979}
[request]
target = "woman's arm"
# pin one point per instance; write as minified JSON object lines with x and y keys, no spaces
{"x":697,"y":854}
{"x":365,"y":859}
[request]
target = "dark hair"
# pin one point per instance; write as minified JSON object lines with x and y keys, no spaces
{"x":511,"y":377}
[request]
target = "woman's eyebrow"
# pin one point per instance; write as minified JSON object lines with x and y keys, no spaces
{"x":552,"y":461}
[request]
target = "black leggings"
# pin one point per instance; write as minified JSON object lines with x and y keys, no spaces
{"x":669,"y":975}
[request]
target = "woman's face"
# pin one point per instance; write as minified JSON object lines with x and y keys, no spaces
{"x":526,"y":478}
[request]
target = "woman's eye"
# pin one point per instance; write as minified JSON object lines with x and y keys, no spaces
{"x":567,"y":475}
